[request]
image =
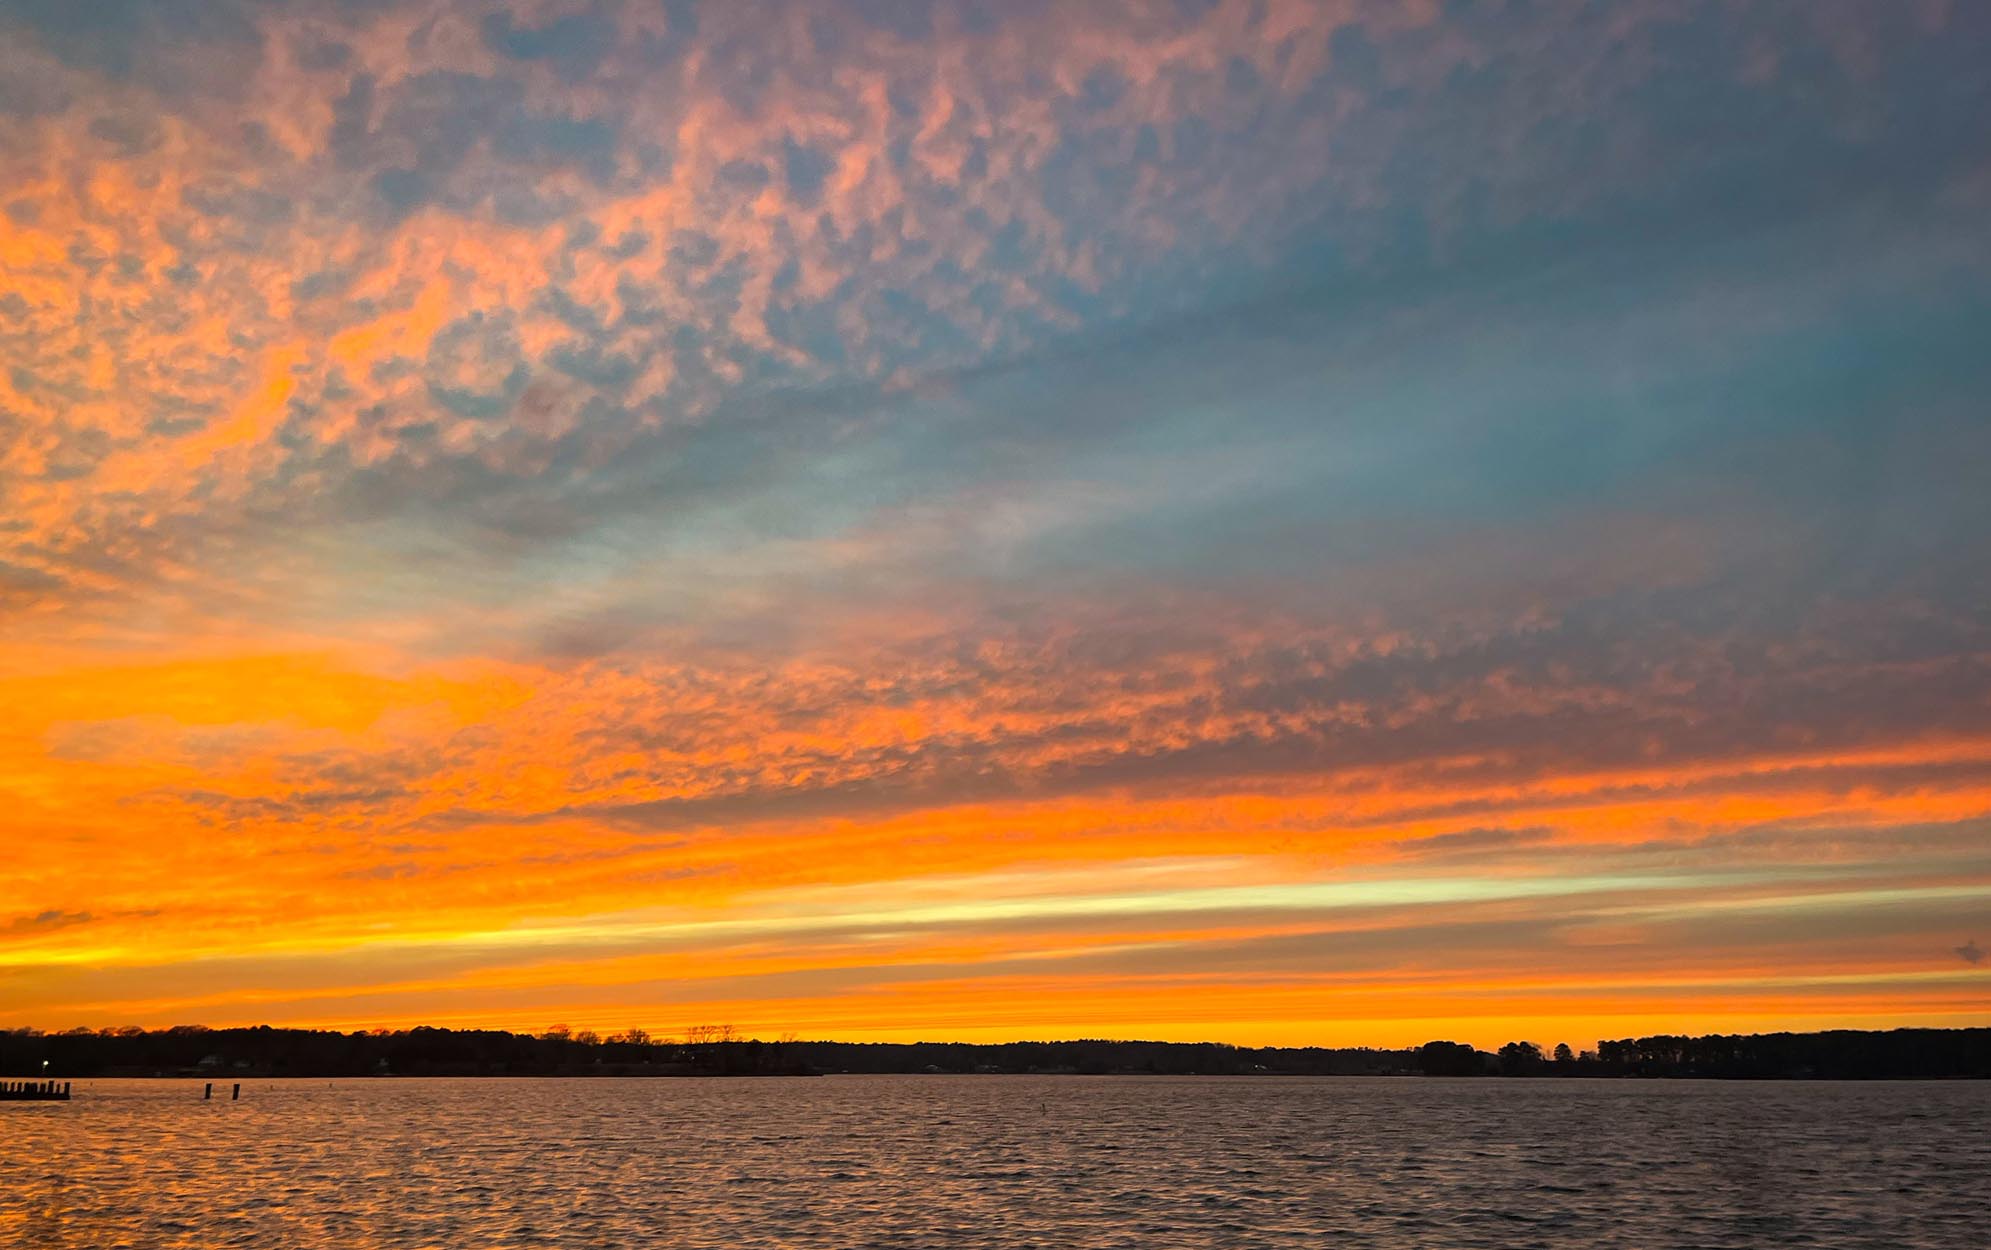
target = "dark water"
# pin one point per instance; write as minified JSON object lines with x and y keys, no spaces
{"x":1001,"y":1161}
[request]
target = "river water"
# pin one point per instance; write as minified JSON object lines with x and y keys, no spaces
{"x":1000,"y":1161}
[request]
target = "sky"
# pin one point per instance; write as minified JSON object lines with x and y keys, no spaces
{"x":1271,"y":521}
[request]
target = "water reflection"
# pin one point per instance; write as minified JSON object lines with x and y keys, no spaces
{"x":999,"y":1161}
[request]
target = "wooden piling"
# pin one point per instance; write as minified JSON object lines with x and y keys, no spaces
{"x":237,"y":1094}
{"x":207,"y":1092}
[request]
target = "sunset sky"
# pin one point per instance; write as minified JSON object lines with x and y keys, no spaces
{"x":1254,"y":520}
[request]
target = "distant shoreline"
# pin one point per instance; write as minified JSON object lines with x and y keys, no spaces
{"x":262,"y":1053}
{"x":386,"y":1077}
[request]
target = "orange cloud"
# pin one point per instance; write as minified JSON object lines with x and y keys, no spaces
{"x":886,"y":532}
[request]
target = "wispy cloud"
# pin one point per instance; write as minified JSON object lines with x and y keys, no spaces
{"x":495,"y":486}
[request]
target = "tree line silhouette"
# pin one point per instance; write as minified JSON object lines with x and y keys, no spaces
{"x":716,"y":1050}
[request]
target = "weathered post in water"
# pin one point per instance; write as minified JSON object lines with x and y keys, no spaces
{"x":238,"y":1092}
{"x":207,"y":1092}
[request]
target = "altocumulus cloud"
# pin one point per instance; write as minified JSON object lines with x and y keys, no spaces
{"x":691,"y":455}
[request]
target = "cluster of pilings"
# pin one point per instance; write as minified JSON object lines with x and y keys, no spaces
{"x":34,"y":1091}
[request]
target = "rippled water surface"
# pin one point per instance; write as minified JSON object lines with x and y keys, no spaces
{"x":1000,"y":1161}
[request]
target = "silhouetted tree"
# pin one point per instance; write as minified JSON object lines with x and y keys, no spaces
{"x":488,"y":1052}
{"x":1520,"y":1059}
{"x":1449,"y":1059}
